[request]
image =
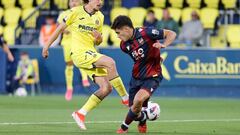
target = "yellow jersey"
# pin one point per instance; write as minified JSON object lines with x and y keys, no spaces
{"x":82,"y":24}
{"x":66,"y":38}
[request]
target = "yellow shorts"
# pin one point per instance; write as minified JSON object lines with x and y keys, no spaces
{"x":85,"y":61}
{"x":67,"y":52}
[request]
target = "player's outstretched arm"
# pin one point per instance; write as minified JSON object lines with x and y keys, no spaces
{"x":169,"y":37}
{"x":61,"y":27}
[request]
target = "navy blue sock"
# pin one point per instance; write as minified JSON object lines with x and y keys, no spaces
{"x":131,"y":116}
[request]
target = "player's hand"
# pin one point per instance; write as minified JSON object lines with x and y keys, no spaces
{"x":10,"y":57}
{"x":159,"y":45}
{"x":97,"y":37}
{"x":45,"y":52}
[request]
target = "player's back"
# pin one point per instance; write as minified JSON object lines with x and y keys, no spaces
{"x":82,"y":24}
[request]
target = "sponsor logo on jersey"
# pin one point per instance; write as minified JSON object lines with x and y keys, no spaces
{"x":84,"y":27}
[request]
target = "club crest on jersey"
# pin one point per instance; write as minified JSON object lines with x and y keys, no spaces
{"x":97,"y":22}
{"x":155,"y":32}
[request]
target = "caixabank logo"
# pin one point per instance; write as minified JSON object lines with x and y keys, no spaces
{"x":218,"y":67}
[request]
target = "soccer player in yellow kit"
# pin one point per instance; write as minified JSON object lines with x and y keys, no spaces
{"x":86,"y":26}
{"x":66,"y":44}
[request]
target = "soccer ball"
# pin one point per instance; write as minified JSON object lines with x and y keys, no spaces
{"x":21,"y":92}
{"x":153,"y":111}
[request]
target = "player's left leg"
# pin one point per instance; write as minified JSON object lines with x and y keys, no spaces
{"x":135,"y":112}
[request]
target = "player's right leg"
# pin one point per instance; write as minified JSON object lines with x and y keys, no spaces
{"x":113,"y":76}
{"x":149,"y":85}
{"x":94,"y":100}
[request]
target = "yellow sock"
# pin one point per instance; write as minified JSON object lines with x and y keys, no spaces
{"x":92,"y":102}
{"x":69,"y":76}
{"x":83,"y":74}
{"x":119,"y":87}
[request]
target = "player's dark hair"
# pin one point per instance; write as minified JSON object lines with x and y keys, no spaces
{"x":121,"y":21}
{"x":85,"y":1}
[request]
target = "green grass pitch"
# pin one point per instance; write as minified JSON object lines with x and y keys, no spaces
{"x":51,"y":115}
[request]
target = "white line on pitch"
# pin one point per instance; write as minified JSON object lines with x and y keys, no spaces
{"x":102,"y":122}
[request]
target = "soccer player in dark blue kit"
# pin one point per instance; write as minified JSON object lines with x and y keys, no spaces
{"x":143,"y":46}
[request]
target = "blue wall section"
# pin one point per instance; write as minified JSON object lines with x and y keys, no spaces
{"x":187,"y":72}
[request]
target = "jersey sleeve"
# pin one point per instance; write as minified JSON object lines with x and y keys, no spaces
{"x":70,"y":17}
{"x":156,"y":34}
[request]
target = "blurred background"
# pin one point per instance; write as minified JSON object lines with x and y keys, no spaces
{"x":203,"y":61}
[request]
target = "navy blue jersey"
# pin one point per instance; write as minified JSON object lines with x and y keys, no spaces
{"x":1,"y":41}
{"x":146,"y":57}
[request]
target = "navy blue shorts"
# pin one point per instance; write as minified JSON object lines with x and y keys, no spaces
{"x":149,"y":84}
